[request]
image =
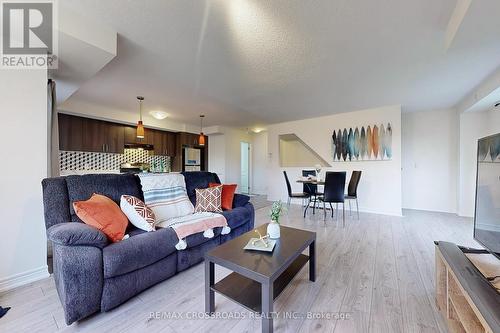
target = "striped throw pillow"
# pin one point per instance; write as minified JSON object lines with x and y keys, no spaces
{"x":166,"y":195}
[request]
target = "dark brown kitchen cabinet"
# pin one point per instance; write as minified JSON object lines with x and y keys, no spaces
{"x":94,"y":135}
{"x":115,"y":138}
{"x":91,"y":135}
{"x":170,"y":144}
{"x":102,"y":136}
{"x":164,"y":143}
{"x":70,"y":132}
{"x":131,"y":135}
{"x":193,"y":139}
{"x":148,"y":137}
{"x":182,"y":140}
{"x":158,"y":142}
{"x":189,"y":139}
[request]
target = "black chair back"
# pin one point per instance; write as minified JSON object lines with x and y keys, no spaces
{"x":335,"y":187}
{"x":309,"y":188}
{"x":288,"y":186}
{"x":352,"y":189}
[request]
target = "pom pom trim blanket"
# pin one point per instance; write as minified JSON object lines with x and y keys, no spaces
{"x":191,"y":224}
{"x":166,"y":195}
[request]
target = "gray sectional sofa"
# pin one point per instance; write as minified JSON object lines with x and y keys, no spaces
{"x":92,"y":274}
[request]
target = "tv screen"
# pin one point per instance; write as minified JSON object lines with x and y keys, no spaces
{"x":487,"y":216}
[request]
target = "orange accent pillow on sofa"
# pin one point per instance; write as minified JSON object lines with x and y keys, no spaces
{"x":104,"y":214}
{"x":227,"y":194}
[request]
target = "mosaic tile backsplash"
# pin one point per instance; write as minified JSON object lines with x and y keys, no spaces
{"x":79,"y":161}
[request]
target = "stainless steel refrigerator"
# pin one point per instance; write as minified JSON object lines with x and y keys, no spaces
{"x":192,"y":159}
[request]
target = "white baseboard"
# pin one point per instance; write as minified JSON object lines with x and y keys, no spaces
{"x":24,"y":278}
{"x":362,"y":210}
{"x":434,"y":210}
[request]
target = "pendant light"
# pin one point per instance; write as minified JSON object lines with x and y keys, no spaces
{"x":201,"y":138}
{"x":140,"y":126}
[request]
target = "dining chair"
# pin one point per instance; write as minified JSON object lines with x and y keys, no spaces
{"x":352,"y":190}
{"x":334,"y":192}
{"x":311,"y":189}
{"x":292,"y":195}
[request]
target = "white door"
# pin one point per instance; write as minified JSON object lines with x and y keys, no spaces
{"x":245,"y":168}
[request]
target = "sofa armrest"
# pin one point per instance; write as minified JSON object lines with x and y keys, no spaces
{"x":240,"y":200}
{"x":79,"y":278}
{"x":76,"y":234}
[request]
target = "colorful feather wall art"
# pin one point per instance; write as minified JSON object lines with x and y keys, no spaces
{"x":357,"y":144}
{"x":371,"y":143}
{"x":334,"y":144}
{"x":339,"y":145}
{"x":382,"y":139}
{"x":345,"y":148}
{"x":363,"y":144}
{"x":375,"y":141}
{"x":350,"y":144}
{"x":388,"y":142}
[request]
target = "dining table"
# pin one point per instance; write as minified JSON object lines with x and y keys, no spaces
{"x":310,"y":181}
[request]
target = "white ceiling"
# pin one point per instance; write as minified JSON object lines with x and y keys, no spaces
{"x":249,"y":62}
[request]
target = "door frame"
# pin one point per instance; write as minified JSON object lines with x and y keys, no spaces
{"x":250,"y":178}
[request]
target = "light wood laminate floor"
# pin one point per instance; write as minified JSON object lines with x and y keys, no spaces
{"x":378,"y":272}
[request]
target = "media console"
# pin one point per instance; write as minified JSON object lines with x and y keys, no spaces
{"x":468,"y":301}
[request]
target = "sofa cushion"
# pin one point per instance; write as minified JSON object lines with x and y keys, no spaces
{"x":120,"y":288}
{"x":192,"y":256}
{"x":55,"y":201}
{"x":240,"y":200}
{"x":237,"y":216}
{"x":111,"y":185}
{"x":138,"y":251}
{"x":132,"y":230}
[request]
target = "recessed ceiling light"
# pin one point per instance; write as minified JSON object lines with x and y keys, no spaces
{"x":158,"y":114}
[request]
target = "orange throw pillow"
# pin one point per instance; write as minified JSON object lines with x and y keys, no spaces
{"x":227,"y":194}
{"x":104,"y":214}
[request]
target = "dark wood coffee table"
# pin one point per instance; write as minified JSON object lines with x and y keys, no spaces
{"x":259,"y":277}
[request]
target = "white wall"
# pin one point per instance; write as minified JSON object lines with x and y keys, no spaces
{"x":260,"y":161}
{"x":439,"y":151}
{"x":380,"y":187}
{"x":233,"y":154}
{"x":23,"y":101}
{"x":473,"y":126}
{"x":430,"y":160}
{"x":217,"y":155}
{"x":224,"y":154}
{"x":295,"y":153}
